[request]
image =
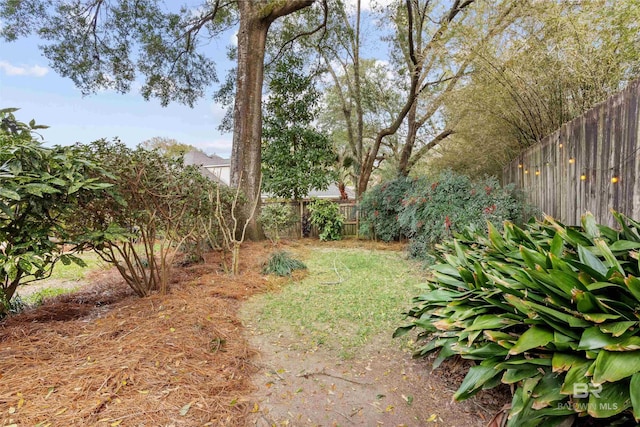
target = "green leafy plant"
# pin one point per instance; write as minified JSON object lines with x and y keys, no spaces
{"x":39,"y":195}
{"x":326,"y":216}
{"x":296,"y":157}
{"x":551,"y":309}
{"x":155,"y":206}
{"x":427,"y":212}
{"x":381,"y":205}
{"x":13,"y":306}
{"x":274,"y":218}
{"x":281,"y":264}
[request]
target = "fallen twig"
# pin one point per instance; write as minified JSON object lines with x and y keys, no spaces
{"x":310,"y":374}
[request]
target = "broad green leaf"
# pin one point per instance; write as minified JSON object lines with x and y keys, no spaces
{"x":449,"y":280}
{"x":9,"y":194}
{"x":600,"y":317}
{"x":25,"y":265}
{"x":490,"y":321}
{"x":609,"y":256}
{"x":614,"y":366}
{"x":572,"y":321}
{"x":626,"y":344}
{"x":623,"y":246}
{"x":593,"y":338}
{"x":611,"y":400}
{"x":633,"y":284}
{"x":532,"y":338}
{"x":575,"y":375}
{"x":547,"y":391}
{"x":590,"y":226}
{"x":474,"y":380}
{"x":557,"y":246}
{"x":495,"y":237}
{"x":482,"y":352}
{"x":628,"y":233}
{"x":564,"y":361}
{"x":512,"y":376}
{"x":460,"y":253}
{"x":402,"y":330}
{"x":533,"y":258}
{"x":39,"y":189}
{"x":522,"y":361}
{"x":589,"y":259}
{"x":634,"y":393}
{"x":6,"y":210}
{"x":618,"y":328}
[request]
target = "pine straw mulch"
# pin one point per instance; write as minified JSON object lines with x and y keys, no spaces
{"x":105,"y":357}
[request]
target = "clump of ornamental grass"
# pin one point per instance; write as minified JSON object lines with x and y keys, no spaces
{"x":281,"y":264}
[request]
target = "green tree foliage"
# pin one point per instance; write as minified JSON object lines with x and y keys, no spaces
{"x":296,"y":158}
{"x":550,"y":310}
{"x":109,"y":44}
{"x":168,"y":146}
{"x":157,"y":204}
{"x":326,"y":216}
{"x":39,"y":192}
{"x":561,"y":59}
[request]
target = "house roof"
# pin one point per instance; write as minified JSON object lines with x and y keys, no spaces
{"x":198,"y":158}
{"x":201,"y":160}
{"x":330,"y":193}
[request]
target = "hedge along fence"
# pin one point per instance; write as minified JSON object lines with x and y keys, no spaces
{"x":590,"y":164}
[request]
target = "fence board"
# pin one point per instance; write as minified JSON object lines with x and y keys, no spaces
{"x":590,"y":164}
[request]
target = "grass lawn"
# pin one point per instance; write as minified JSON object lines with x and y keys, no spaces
{"x":58,"y":282}
{"x":348,"y":297}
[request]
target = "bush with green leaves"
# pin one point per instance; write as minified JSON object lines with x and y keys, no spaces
{"x":326,"y":216}
{"x":281,"y":264}
{"x":550,"y":309}
{"x":276,"y":217}
{"x":39,"y":192}
{"x":380,"y":207}
{"x":157,"y":204}
{"x":429,"y":211}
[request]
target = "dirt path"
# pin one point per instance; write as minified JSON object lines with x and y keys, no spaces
{"x":383,"y":386}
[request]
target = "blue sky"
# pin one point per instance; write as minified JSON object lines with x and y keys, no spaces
{"x":27,"y":82}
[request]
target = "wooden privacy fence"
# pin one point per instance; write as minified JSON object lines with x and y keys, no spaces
{"x":590,"y":164}
{"x":349,"y":211}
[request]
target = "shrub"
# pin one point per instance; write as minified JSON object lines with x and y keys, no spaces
{"x":39,"y":194}
{"x":326,"y":216}
{"x":381,"y":206}
{"x":281,"y":264}
{"x":274,"y":218}
{"x":550,"y":309}
{"x":428,"y":212}
{"x":156,"y":204}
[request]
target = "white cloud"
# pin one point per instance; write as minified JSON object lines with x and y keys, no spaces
{"x":13,"y":70}
{"x":220,"y":146}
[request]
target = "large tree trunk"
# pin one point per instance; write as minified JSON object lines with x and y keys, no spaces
{"x":255,"y":18}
